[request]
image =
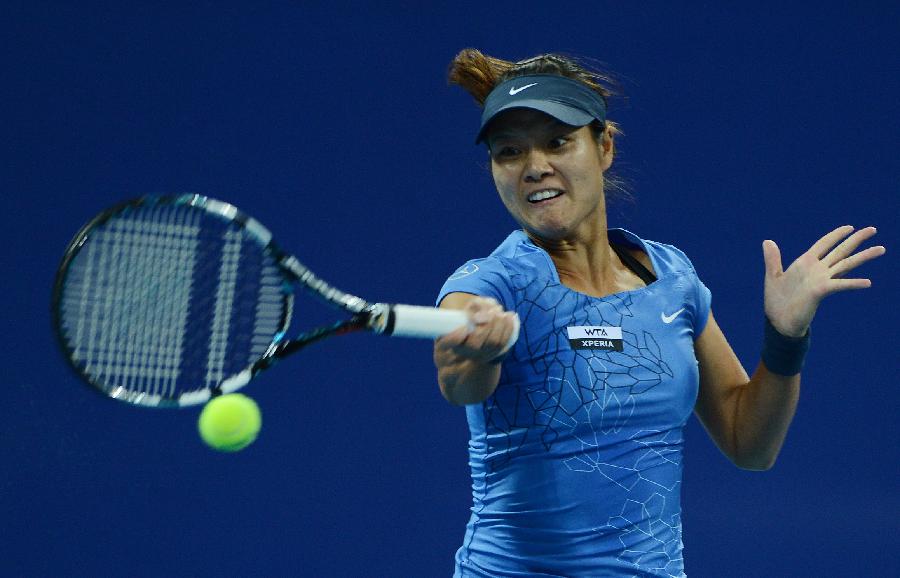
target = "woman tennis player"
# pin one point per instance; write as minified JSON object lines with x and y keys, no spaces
{"x":576,"y":431}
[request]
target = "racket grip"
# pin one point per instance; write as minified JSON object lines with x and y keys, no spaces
{"x":424,"y":322}
{"x":430,"y":322}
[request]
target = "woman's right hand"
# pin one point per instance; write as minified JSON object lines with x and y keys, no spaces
{"x":464,"y":357}
{"x":488,"y":335}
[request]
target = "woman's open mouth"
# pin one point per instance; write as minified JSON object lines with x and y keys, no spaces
{"x":544,"y":195}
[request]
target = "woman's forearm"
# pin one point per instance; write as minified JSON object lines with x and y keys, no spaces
{"x":468,"y":381}
{"x":763,"y":414}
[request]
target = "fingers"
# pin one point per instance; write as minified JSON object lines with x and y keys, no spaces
{"x":848,"y":245}
{"x":486,"y":338}
{"x":453,"y":339}
{"x":491,"y":336}
{"x":852,"y":262}
{"x":848,"y":284}
{"x":482,"y":309}
{"x":479,"y":311}
{"x":772,"y":258}
{"x":794,"y":295}
{"x":823,"y":245}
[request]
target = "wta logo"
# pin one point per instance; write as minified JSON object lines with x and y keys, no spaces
{"x":595,"y":337}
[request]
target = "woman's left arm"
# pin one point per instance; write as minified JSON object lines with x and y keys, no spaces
{"x":748,"y":417}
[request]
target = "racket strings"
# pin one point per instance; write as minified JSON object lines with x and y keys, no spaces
{"x":223,"y":308}
{"x":163,"y":300}
{"x":132,"y":273}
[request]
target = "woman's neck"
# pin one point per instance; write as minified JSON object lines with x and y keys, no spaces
{"x":589,"y":266}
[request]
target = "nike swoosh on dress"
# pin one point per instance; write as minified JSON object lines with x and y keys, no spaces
{"x":670,"y":318}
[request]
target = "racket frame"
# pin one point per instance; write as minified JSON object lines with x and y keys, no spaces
{"x":379,"y":318}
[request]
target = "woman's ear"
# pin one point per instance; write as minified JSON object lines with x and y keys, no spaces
{"x":607,"y":147}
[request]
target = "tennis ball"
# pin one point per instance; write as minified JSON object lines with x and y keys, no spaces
{"x":230,"y":422}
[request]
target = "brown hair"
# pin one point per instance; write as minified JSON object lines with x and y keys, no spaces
{"x":478,"y":74}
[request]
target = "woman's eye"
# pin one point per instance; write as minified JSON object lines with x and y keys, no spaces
{"x":558,"y":142}
{"x":507,"y":151}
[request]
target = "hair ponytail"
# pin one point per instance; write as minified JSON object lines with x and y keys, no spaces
{"x":478,"y":73}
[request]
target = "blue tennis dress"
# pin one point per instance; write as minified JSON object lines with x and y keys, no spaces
{"x":576,"y":458}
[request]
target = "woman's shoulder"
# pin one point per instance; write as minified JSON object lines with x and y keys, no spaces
{"x":663,"y":258}
{"x":514,"y":263}
{"x":514,"y":253}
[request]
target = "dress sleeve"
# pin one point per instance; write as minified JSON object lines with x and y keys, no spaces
{"x":703,"y":303}
{"x":482,"y":277}
{"x":698,"y":297}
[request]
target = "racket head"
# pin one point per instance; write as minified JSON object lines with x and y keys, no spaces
{"x":163,"y":301}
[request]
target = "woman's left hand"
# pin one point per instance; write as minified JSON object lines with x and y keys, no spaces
{"x":792,"y":296}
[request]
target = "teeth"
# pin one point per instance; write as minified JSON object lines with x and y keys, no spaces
{"x":543,"y":195}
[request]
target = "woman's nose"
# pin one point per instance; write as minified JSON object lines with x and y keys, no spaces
{"x":537,"y":167}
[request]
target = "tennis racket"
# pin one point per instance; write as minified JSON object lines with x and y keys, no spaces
{"x":169,"y":301}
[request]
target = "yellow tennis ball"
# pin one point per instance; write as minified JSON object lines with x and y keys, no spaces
{"x":229,"y":422}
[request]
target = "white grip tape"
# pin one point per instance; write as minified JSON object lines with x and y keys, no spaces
{"x":430,"y":322}
{"x":426,"y":322}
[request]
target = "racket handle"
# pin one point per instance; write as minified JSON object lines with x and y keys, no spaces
{"x":424,"y":322}
{"x":430,"y":322}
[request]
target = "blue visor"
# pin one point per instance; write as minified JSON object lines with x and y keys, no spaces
{"x":565,"y":99}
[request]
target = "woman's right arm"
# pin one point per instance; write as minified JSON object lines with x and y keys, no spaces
{"x":466,"y":358}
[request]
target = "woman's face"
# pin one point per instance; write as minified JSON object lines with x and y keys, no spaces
{"x":549,"y":174}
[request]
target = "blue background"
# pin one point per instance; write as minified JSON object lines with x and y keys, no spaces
{"x":333,"y":124}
